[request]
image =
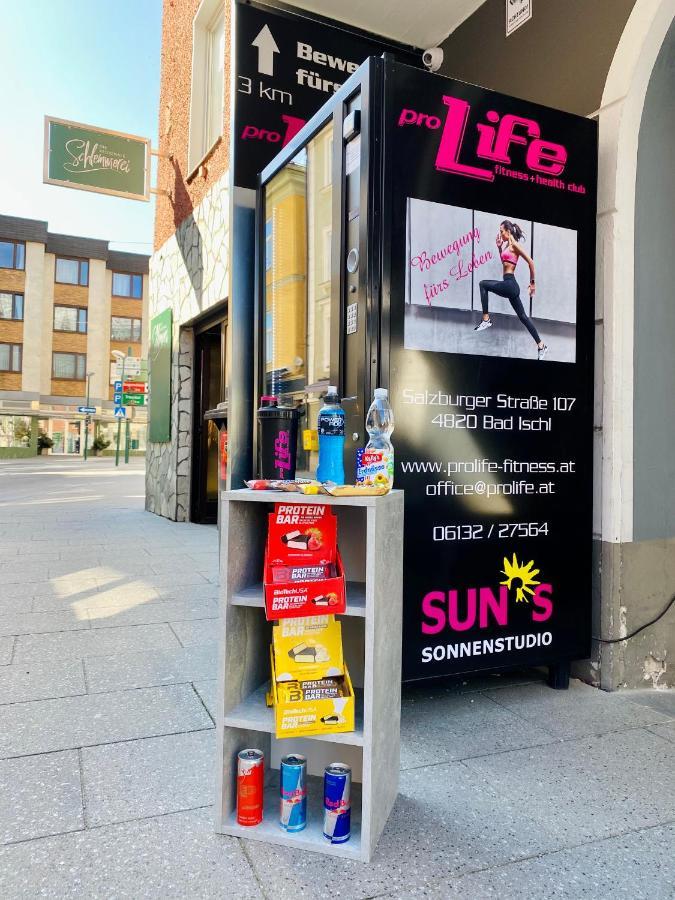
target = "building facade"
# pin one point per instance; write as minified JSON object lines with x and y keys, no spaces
{"x":611,"y":61}
{"x":65,"y":304}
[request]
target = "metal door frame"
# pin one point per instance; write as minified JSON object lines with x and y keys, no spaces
{"x":367,"y":82}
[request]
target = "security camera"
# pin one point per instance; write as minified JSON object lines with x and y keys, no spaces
{"x":433,"y":58}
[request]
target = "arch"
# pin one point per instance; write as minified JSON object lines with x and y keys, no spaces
{"x":619,"y":119}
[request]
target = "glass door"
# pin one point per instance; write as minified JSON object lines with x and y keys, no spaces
{"x":298,"y":296}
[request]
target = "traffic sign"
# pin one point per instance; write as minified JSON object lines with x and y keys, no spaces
{"x":134,"y":399}
{"x":90,"y":410}
{"x":120,"y":412}
{"x":118,"y":387}
{"x":135,"y":387}
{"x":117,"y":398}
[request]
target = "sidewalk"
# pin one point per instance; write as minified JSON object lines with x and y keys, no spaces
{"x":107,"y":663}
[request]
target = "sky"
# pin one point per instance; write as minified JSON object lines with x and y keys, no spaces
{"x":91,"y":62}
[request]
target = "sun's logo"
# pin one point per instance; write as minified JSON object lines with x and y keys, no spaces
{"x":516,"y":571}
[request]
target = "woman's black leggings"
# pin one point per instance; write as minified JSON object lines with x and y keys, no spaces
{"x":508,"y":288}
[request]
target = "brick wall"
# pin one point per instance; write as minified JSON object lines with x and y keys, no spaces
{"x":185,"y":192}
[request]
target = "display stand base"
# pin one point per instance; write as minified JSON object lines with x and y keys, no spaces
{"x":559,"y":676}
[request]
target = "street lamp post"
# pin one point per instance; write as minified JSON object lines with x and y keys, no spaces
{"x":86,"y":418}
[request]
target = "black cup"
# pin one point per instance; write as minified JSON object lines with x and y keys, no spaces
{"x":277,"y":439}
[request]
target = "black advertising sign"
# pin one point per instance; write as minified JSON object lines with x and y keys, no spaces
{"x":286,"y":67}
{"x":491,"y":292}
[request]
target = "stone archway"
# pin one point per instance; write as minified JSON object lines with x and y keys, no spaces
{"x":619,"y":127}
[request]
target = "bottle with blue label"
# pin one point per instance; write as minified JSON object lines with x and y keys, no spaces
{"x":331,"y":428}
{"x":375,"y":464}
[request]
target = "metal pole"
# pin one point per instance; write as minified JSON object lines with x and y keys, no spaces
{"x":126,"y":422}
{"x":119,"y":421}
{"x":86,"y":419}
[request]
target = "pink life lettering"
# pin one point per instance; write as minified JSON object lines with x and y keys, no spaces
{"x":494,"y":141}
{"x":282,"y":453}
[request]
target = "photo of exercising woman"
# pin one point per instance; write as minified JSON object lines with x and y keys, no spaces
{"x":489,"y":284}
{"x":510,"y":251}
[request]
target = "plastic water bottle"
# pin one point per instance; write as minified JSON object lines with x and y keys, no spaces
{"x":375,"y":464}
{"x":331,"y":428}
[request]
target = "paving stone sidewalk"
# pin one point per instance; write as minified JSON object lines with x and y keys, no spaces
{"x":108,"y":629}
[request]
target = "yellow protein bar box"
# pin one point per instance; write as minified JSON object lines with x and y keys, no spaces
{"x":307,"y":648}
{"x":296,"y":715}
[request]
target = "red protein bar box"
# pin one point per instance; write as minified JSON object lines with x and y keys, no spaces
{"x":301,"y":534}
{"x":288,"y":599}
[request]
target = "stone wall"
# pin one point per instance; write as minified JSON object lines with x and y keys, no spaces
{"x":189,"y":275}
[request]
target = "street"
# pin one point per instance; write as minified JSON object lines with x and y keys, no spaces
{"x":108,"y":631}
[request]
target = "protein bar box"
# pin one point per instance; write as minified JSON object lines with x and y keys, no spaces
{"x":311,"y":707}
{"x":301,"y":534}
{"x":307,"y":649}
{"x":304,"y":589}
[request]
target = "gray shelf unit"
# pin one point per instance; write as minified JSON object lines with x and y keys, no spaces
{"x":370,"y":536}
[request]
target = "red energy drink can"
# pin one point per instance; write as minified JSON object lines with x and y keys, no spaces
{"x":250,"y":772}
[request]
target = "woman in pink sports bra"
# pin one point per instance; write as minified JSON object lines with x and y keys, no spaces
{"x":510,"y":233}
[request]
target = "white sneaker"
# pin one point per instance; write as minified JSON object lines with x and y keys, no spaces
{"x":483,"y":324}
{"x":541,"y":354}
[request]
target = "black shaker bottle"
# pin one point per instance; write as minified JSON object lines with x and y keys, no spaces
{"x":277,"y":439}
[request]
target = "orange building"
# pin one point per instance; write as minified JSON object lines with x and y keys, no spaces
{"x":65,"y":303}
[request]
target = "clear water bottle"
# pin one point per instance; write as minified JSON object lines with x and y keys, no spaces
{"x":375,"y":464}
{"x":331,"y":427}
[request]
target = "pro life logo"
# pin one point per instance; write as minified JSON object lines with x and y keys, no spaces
{"x":465,"y":145}
{"x":488,"y":607}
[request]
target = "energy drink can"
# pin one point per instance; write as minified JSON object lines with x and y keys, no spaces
{"x":293,"y":791}
{"x":337,"y":804}
{"x":250,"y":772}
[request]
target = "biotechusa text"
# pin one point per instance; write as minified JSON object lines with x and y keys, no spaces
{"x":484,"y":401}
{"x":486,"y":646}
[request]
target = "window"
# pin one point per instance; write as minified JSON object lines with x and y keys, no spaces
{"x":124,"y":329}
{"x":269,"y":246}
{"x":125,"y":285}
{"x":10,"y":357}
{"x":15,"y":431}
{"x":72,"y":271}
{"x":12,"y":255}
{"x":208,"y":64}
{"x":69,"y":365}
{"x":11,"y":306}
{"x":70,"y":318}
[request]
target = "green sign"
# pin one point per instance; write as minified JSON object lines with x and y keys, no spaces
{"x":159,"y":372}
{"x":94,"y":159}
{"x":133,"y":399}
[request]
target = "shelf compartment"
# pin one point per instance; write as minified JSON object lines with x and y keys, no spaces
{"x":311,"y":837}
{"x":356,"y":598}
{"x":252,"y":714}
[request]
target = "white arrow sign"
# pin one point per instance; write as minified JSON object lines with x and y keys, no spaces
{"x":267,"y":47}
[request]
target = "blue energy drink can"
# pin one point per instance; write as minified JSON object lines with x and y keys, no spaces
{"x":337,"y":804}
{"x":293,"y":791}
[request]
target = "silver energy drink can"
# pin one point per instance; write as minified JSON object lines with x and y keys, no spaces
{"x":337,"y":804}
{"x":293,"y":791}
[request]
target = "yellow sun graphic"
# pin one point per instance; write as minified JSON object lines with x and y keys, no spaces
{"x":525,"y":573}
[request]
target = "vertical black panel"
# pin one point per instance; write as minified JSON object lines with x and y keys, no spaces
{"x":493,"y":445}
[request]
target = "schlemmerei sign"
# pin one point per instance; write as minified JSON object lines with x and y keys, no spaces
{"x":96,"y":159}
